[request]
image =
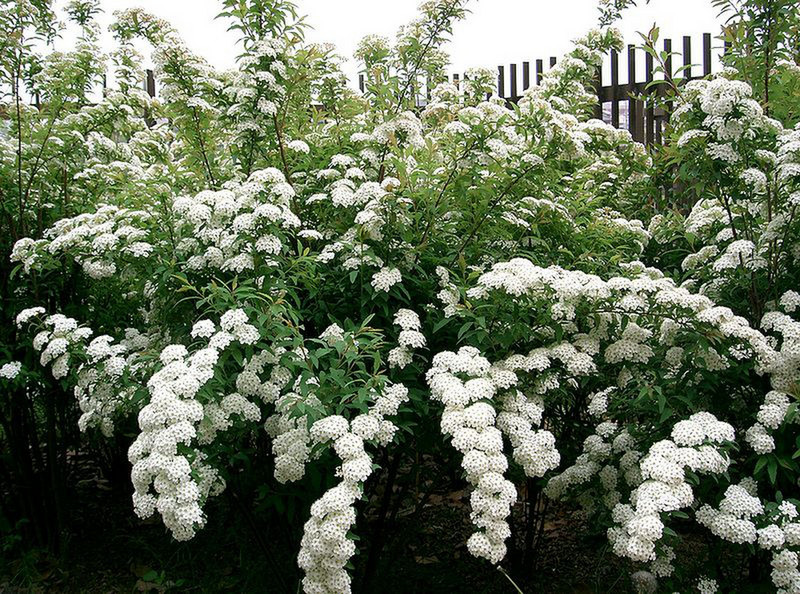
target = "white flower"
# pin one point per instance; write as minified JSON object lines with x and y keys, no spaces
{"x":27,"y":314}
{"x":10,"y":370}
{"x":298,"y":146}
{"x":203,"y":329}
{"x":233,"y":319}
{"x":385,"y":279}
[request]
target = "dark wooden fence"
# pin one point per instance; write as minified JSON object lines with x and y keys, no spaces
{"x":617,"y":102}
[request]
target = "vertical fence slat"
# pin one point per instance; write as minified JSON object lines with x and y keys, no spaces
{"x":539,"y":71}
{"x":687,"y":57}
{"x":631,"y":101}
{"x":598,"y":91}
{"x":150,"y":88}
{"x":501,"y":81}
{"x":361,"y":82}
{"x":150,"y":84}
{"x":635,"y":115}
{"x":512,"y":74}
{"x":552,"y":61}
{"x":668,"y":61}
{"x":669,"y":69}
{"x":526,"y":76}
{"x":456,"y":82}
{"x":649,"y":112}
{"x":706,"y":54}
{"x":614,"y":88}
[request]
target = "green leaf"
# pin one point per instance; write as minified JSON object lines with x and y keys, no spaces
{"x":440,"y":324}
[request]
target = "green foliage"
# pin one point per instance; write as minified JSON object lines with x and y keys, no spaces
{"x":264,"y":277}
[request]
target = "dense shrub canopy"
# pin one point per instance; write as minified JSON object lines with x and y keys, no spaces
{"x":263,"y":261}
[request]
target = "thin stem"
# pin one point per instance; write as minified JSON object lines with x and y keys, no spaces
{"x":508,"y":577}
{"x":210,"y":173}
{"x":489,"y":210}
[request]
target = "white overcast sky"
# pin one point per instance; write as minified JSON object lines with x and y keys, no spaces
{"x":496,"y":32}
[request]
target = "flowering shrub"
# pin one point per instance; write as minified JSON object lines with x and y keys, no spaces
{"x":263,"y":256}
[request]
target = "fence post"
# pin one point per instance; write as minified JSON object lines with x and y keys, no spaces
{"x":598,"y":91}
{"x":614,"y":88}
{"x":501,"y":81}
{"x":552,"y":61}
{"x":706,"y":54}
{"x":650,"y":111}
{"x":150,"y":87}
{"x":660,"y":123}
{"x":456,"y":82}
{"x":361,"y":82}
{"x":687,"y":57}
{"x":512,"y":73}
{"x":635,"y":115}
{"x":150,"y":84}
{"x":526,"y":76}
{"x":539,"y":72}
{"x":668,"y":61}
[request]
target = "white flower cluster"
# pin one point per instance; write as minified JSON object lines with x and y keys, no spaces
{"x":348,"y":188}
{"x":91,"y":239}
{"x":566,"y":85}
{"x":257,"y":90}
{"x":289,"y":433}
{"x":403,"y":129}
{"x":784,"y":333}
{"x":727,"y":112}
{"x":10,"y":370}
{"x":477,"y":432}
{"x":99,"y":389}
{"x":664,"y":489}
{"x":657,"y":480}
{"x":742,"y":519}
{"x":790,"y":301}
{"x":410,"y":338}
{"x":758,"y":165}
{"x":733,"y":521}
{"x":58,"y":334}
{"x":534,"y":450}
{"x":770,"y":416}
{"x":599,"y":448}
{"x":448,"y":294}
{"x":169,"y":473}
{"x":325,"y":548}
{"x":233,"y":228}
{"x":647,"y":292}
{"x":386,"y":278}
{"x":707,"y":585}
